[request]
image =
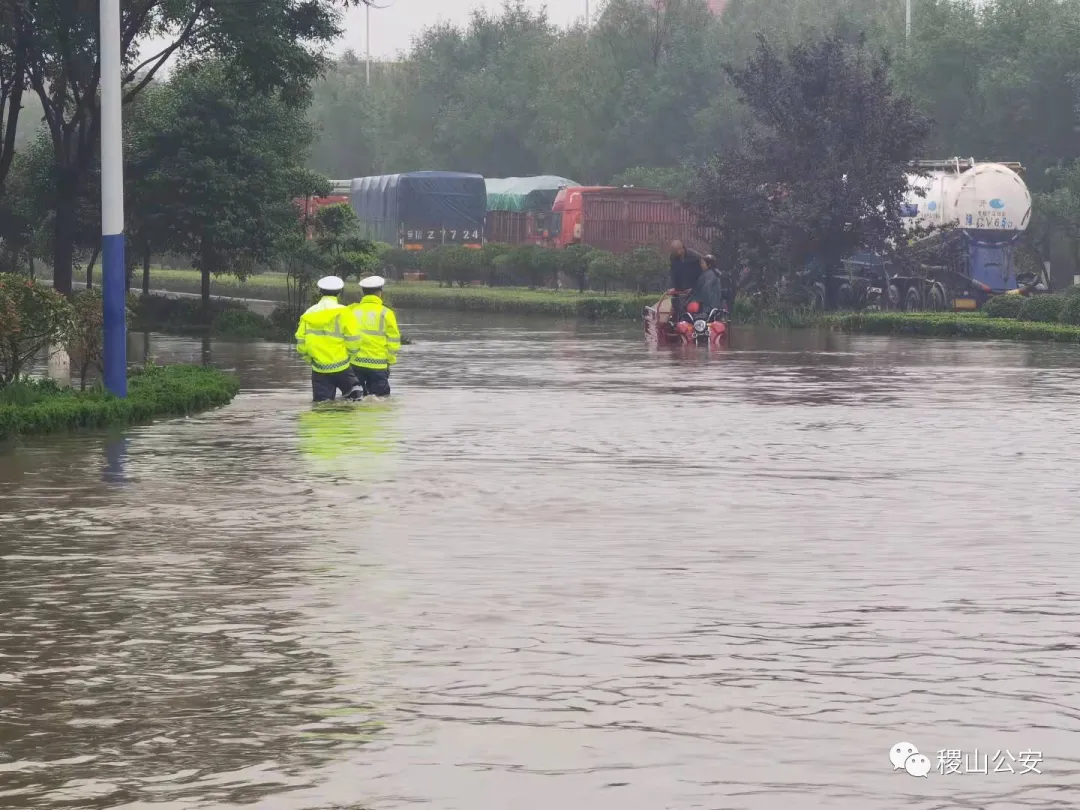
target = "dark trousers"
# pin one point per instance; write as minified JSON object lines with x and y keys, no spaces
{"x":678,"y":304}
{"x":376,"y":382}
{"x":324,"y":387}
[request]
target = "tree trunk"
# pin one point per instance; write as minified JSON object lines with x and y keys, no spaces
{"x":64,"y":234}
{"x":129,"y":269}
{"x":206,"y":259}
{"x":146,"y":272}
{"x":90,"y":268}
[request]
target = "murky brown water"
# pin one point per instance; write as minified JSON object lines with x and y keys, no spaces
{"x":556,"y":571}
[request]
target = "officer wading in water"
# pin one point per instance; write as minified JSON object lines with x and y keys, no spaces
{"x":329,"y":337}
{"x":380,"y":339}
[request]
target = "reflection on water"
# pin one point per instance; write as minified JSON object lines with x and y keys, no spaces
{"x":556,"y":569}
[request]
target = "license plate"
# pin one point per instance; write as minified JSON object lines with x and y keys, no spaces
{"x":964,"y":303}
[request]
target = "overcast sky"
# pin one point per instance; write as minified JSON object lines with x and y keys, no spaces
{"x":393,"y":27}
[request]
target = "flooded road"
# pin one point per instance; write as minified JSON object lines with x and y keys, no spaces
{"x":557,"y":571}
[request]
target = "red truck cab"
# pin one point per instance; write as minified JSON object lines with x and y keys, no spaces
{"x":565,"y":225}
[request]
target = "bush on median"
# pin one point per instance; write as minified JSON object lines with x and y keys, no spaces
{"x":40,"y":406}
{"x":948,"y":324}
{"x":1042,"y":308}
{"x":1003,"y":306}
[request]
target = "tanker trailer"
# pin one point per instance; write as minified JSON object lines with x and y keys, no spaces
{"x":978,"y":211}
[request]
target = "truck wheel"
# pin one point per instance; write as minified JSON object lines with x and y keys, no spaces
{"x":912,"y":300}
{"x":936,"y":300}
{"x":845,"y":298}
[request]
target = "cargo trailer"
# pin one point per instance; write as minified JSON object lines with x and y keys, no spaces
{"x":622,"y":219}
{"x":421,"y":210}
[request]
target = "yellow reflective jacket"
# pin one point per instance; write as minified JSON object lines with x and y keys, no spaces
{"x":328,"y":335}
{"x":380,"y":337}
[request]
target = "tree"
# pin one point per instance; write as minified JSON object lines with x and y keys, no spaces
{"x":675,"y":181}
{"x":147,"y":217}
{"x":574,"y":262}
{"x":824,"y":172}
{"x":225,"y":168}
{"x":345,"y":253}
{"x":275,"y":44}
{"x":32,"y":318}
{"x":13,"y":78}
{"x":605,"y":269}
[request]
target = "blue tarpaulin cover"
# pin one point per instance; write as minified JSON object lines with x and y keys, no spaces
{"x":388,"y":203}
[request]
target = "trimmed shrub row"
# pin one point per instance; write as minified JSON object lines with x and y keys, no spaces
{"x":40,"y":406}
{"x":970,"y":325}
{"x":518,"y":301}
{"x":1063,"y":307}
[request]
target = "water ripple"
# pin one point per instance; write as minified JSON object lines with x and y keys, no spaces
{"x":558,"y":567}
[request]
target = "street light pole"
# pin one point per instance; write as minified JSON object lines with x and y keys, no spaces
{"x":907,"y":20}
{"x":367,"y":35}
{"x":112,"y":202}
{"x":586,"y":20}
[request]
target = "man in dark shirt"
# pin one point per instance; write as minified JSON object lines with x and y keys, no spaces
{"x":686,"y":268}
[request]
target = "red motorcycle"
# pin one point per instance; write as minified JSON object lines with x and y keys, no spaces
{"x":666,"y":326}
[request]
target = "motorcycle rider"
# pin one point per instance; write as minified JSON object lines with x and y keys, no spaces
{"x":686,"y":268}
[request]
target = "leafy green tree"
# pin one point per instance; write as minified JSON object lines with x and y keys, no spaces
{"x":14,"y":34}
{"x":605,"y":270}
{"x":276,"y":44}
{"x":83,"y":336}
{"x":824,"y":174}
{"x":675,"y":181}
{"x":645,"y":268}
{"x":337,"y":234}
{"x":225,"y":166}
{"x":32,"y":318}
{"x":574,"y":262}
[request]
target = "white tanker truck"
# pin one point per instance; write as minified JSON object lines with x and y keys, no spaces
{"x":975,"y":212}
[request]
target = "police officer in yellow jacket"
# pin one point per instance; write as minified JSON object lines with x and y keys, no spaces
{"x":380,"y":338}
{"x":328,"y":336}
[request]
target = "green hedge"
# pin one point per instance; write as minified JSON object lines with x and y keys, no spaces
{"x":519,"y":301}
{"x":38,"y":407}
{"x":1003,"y":306}
{"x":1041,"y":308}
{"x":1058,"y":308}
{"x":947,"y":324}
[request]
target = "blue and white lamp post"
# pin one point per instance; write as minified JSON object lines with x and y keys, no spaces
{"x":112,"y":203}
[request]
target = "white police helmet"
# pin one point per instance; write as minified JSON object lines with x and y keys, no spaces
{"x":331,"y":284}
{"x":372,"y":283}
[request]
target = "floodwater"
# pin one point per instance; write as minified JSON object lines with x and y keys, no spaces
{"x":557,"y":571}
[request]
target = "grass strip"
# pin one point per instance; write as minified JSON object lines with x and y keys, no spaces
{"x":41,"y":406}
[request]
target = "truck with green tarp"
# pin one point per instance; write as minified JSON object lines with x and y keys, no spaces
{"x":518,"y":208}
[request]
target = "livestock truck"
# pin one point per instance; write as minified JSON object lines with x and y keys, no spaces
{"x":976,"y":212}
{"x":621,"y":219}
{"x":421,"y":210}
{"x":518,"y":208}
